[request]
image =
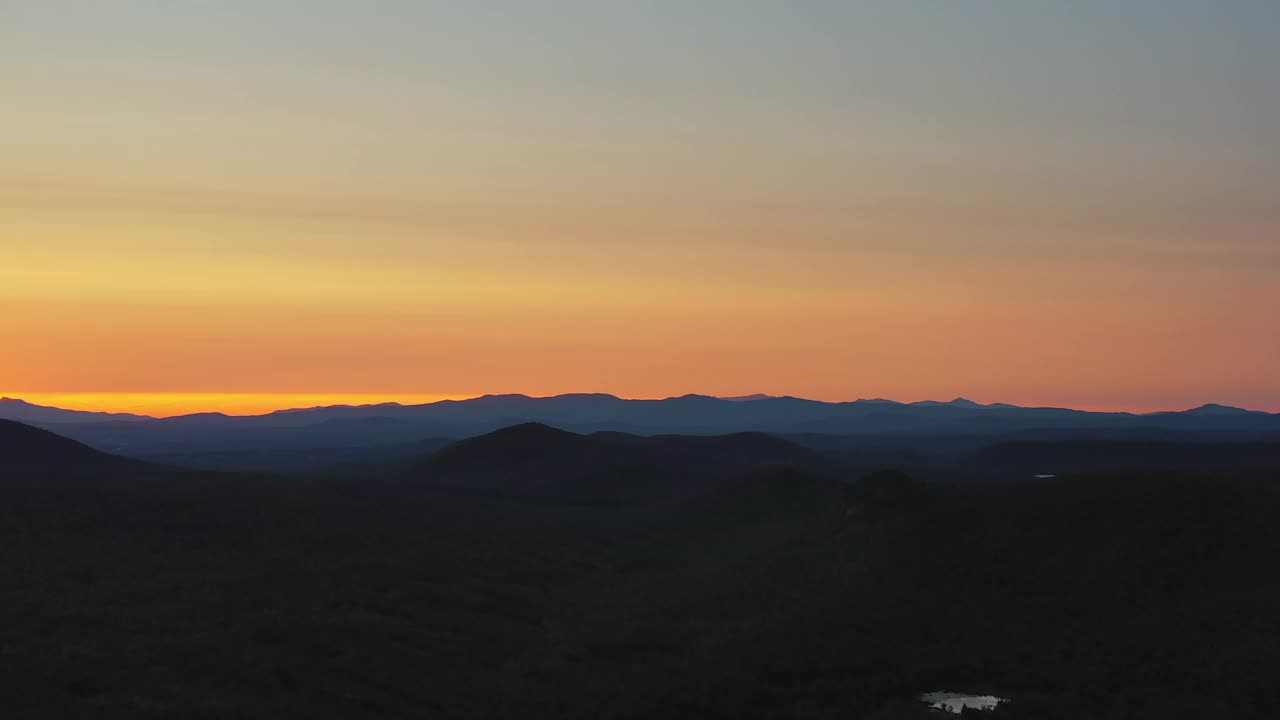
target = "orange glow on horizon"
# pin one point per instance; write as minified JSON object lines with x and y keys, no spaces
{"x":171,"y":404}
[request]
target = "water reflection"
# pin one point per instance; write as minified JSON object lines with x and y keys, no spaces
{"x":955,"y":702}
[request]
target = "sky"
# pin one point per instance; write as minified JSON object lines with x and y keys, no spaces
{"x":243,"y":205}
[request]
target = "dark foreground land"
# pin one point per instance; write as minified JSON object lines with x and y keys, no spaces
{"x":535,"y":573}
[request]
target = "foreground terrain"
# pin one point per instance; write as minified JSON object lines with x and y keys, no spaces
{"x":538,"y":573}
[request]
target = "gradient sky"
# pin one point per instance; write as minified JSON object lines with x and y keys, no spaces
{"x":238,"y":204}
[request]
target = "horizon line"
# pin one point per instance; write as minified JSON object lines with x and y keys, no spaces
{"x":161,"y":405}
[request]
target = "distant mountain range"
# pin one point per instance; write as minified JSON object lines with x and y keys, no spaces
{"x":23,"y":411}
{"x":685,"y":412}
{"x":408,"y":426}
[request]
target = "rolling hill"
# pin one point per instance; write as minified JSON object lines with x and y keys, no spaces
{"x":26,"y":451}
{"x":536,"y":461}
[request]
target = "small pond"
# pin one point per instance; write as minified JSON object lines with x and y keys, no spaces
{"x":955,"y":702}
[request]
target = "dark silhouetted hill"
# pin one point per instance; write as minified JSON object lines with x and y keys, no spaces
{"x":536,"y":461}
{"x":26,"y":450}
{"x":518,"y":444}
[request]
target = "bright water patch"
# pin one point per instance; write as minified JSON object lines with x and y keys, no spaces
{"x":955,"y":702}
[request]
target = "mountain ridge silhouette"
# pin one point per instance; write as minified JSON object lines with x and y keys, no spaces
{"x":12,"y":408}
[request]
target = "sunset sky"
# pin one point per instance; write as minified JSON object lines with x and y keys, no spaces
{"x":242,"y":205}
